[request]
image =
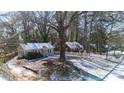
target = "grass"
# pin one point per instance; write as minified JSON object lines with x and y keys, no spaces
{"x":2,"y":57}
{"x":2,"y":68}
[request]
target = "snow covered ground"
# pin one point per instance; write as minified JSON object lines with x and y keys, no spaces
{"x":20,"y":72}
{"x":94,"y":65}
{"x":99,"y":67}
{"x":2,"y":78}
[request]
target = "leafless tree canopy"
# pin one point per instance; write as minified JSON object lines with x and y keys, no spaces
{"x":57,"y":27}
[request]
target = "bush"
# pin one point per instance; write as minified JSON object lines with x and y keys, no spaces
{"x":2,"y":58}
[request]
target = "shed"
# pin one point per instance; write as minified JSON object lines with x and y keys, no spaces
{"x":73,"y":46}
{"x":35,"y":50}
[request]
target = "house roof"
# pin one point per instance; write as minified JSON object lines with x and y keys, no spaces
{"x":93,"y":45}
{"x":36,"y":46}
{"x":73,"y":45}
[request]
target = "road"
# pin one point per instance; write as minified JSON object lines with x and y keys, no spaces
{"x":117,"y":74}
{"x":100,"y":68}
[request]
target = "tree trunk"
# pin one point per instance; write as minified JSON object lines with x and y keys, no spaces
{"x":85,"y":33}
{"x":91,"y":25}
{"x":62,"y":45}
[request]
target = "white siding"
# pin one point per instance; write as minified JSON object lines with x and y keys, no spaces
{"x":45,"y":49}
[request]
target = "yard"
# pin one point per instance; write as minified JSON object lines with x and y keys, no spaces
{"x":77,"y":68}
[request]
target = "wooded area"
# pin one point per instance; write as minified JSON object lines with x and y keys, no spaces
{"x":96,"y":32}
{"x":86,"y":27}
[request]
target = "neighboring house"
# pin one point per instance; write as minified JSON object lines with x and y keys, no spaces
{"x":73,"y":46}
{"x":35,"y":50}
{"x":115,"y":53}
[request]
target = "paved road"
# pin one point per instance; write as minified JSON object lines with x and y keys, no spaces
{"x":117,"y":74}
{"x":100,"y":67}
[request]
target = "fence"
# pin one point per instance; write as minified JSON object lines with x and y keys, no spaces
{"x":70,"y":53}
{"x":6,"y":57}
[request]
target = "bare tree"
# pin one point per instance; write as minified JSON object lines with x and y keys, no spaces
{"x":41,"y":20}
{"x":9,"y":24}
{"x":26,"y":25}
{"x":62,"y":21}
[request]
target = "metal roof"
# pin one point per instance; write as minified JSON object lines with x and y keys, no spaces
{"x":93,"y":45}
{"x":36,"y":46}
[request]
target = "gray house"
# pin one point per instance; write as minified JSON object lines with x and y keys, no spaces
{"x":35,"y":50}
